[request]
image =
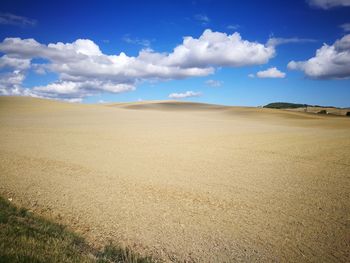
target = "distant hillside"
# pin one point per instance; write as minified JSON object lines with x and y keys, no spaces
{"x":288,"y":105}
{"x":329,"y":110}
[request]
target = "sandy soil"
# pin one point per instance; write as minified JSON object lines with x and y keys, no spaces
{"x":184,"y":181}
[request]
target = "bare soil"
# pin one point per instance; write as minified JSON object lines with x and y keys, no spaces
{"x":184,"y":181}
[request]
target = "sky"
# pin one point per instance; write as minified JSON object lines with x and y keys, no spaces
{"x":245,"y":53}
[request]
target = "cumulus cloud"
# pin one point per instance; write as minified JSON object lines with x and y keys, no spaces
{"x":326,"y":4}
{"x":15,"y":20}
{"x":214,"y":83}
{"x":330,"y":61}
{"x":345,"y":27}
{"x":84,"y":70}
{"x":11,"y":84}
{"x":71,"y":89}
{"x":13,"y":62}
{"x":271,"y":73}
{"x":219,"y":49}
{"x":184,"y":95}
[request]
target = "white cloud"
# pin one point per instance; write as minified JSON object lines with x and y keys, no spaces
{"x":84,"y":70}
{"x":280,"y":41}
{"x":11,"y":84}
{"x":14,"y":62}
{"x":326,"y":4}
{"x":70,"y":89}
{"x":233,"y":27}
{"x":203,"y":18}
{"x":15,"y":20}
{"x":39,"y":69}
{"x":219,"y":49}
{"x":74,"y":100}
{"x":330,"y":62}
{"x":251,"y":75}
{"x":214,"y":83}
{"x":345,"y":27}
{"x":137,"y":41}
{"x":271,"y":73}
{"x":187,"y":94}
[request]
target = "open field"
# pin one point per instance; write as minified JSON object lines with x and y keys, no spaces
{"x":184,"y":181}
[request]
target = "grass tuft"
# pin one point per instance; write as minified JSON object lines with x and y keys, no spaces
{"x":112,"y":253}
{"x":25,"y":237}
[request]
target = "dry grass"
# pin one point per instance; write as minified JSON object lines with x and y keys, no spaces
{"x":25,"y":237}
{"x":184,"y":182}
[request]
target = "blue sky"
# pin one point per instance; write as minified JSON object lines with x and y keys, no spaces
{"x":299,"y":29}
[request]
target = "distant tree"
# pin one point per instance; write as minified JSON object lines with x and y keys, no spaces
{"x":284,"y":105}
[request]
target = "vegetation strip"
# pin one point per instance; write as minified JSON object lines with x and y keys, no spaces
{"x":25,"y":237}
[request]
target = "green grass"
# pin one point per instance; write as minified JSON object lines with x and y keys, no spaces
{"x":25,"y":237}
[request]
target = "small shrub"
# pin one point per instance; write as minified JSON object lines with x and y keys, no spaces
{"x":322,"y":112}
{"x":115,"y":254}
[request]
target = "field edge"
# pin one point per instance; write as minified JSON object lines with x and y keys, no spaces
{"x":27,"y":237}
